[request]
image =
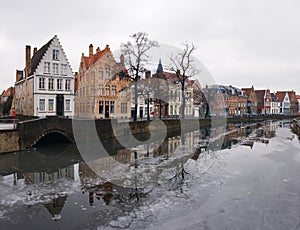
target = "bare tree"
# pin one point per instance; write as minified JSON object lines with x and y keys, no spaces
{"x":135,"y":54}
{"x":181,"y":64}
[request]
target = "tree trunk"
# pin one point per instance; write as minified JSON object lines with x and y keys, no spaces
{"x":135,"y":101}
{"x":183,"y":101}
{"x":160,"y":109}
{"x":148,"y":107}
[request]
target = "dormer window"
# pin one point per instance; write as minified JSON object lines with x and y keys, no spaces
{"x":55,"y":54}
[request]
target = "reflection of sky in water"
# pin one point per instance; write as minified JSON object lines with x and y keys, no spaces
{"x":246,"y":180}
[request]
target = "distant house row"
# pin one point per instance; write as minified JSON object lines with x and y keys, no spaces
{"x":101,"y":88}
{"x":230,"y":100}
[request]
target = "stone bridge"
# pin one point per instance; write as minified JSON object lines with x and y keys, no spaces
{"x":32,"y":131}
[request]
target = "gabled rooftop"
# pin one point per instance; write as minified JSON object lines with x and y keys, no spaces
{"x":93,"y":58}
{"x":36,"y":58}
{"x":8,"y":92}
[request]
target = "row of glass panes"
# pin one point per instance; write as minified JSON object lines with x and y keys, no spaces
{"x":84,"y":91}
{"x":51,"y":83}
{"x":84,"y":107}
{"x":55,"y":68}
{"x":109,"y":104}
{"x":91,"y":75}
{"x":175,"y":110}
{"x":50,"y":104}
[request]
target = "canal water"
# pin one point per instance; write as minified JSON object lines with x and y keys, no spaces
{"x":242,"y":176}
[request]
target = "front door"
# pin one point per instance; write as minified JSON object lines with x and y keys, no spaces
{"x":59,"y":105}
{"x":141,"y":112}
{"x":106,"y":111}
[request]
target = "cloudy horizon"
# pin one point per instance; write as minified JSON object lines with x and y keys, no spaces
{"x":241,"y":43}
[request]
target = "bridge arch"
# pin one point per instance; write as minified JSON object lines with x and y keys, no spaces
{"x":52,"y":131}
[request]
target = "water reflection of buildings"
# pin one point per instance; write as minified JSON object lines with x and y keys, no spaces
{"x":88,"y":179}
{"x":41,"y":177}
{"x":56,"y":205}
{"x":23,"y":178}
{"x":106,"y":191}
{"x":165,"y":148}
{"x":223,"y":137}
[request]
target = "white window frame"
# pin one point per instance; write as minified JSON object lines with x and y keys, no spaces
{"x":50,"y":83}
{"x":68,"y":104}
{"x":42,"y":106}
{"x":64,"y":69}
{"x":41,"y":83}
{"x":59,"y":84}
{"x":47,"y":67}
{"x":51,"y":101}
{"x":55,"y":54}
{"x":55,"y":68}
{"x":67,"y":84}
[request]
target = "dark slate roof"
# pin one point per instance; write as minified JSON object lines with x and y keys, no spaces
{"x":274,"y":97}
{"x":36,"y":58}
{"x":247,"y":91}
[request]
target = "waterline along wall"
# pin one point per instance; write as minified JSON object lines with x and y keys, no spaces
{"x":29,"y":132}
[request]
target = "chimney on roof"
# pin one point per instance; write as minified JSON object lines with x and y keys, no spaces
{"x":91,"y":50}
{"x":18,"y":75}
{"x":122,"y":59}
{"x":28,"y":61}
{"x":34,"y":50}
{"x":107,"y":47}
{"x":97,"y":50}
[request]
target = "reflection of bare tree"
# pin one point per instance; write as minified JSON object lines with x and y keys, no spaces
{"x":179,"y":178}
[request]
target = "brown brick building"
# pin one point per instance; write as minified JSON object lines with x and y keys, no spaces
{"x":251,"y":100}
{"x":102,"y":86}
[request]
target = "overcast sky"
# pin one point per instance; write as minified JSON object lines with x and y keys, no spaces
{"x":240,"y":42}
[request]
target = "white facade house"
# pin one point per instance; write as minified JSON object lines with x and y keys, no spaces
{"x":46,"y":87}
{"x":142,"y":105}
{"x":274,"y":104}
{"x":285,"y":104}
{"x":175,"y":100}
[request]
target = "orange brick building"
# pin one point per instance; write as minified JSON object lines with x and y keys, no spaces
{"x":102,"y":86}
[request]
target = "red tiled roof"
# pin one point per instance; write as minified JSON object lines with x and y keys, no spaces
{"x":260,"y":95}
{"x":172,"y":77}
{"x":88,"y":61}
{"x":8,"y":92}
{"x":297,"y":96}
{"x":280,"y":95}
